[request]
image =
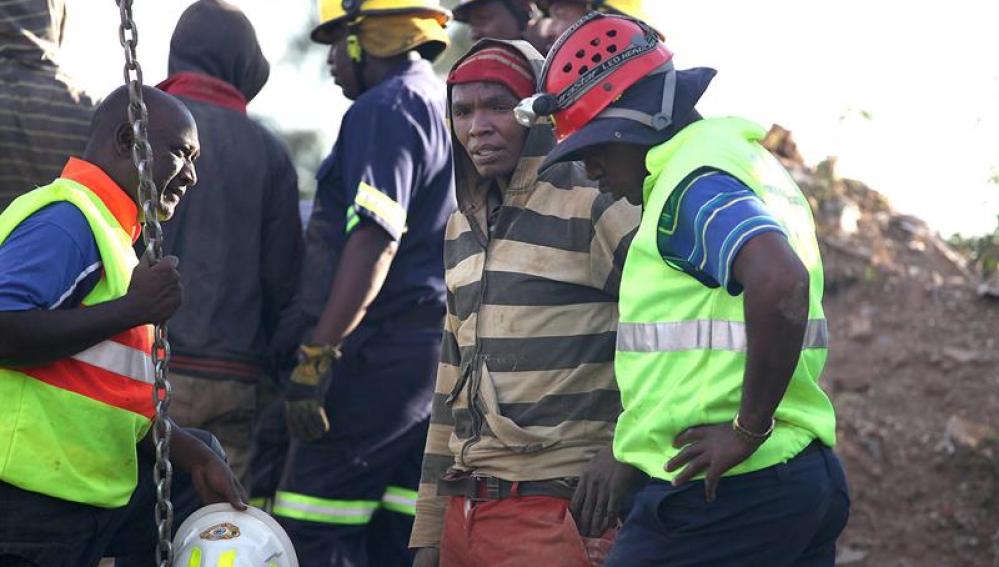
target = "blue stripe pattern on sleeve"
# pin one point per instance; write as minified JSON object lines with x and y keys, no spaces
{"x":705,"y":224}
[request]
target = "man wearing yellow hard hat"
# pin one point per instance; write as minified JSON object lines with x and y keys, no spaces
{"x":372,"y":297}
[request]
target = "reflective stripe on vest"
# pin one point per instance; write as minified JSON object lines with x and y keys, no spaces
{"x":119,"y":359}
{"x":702,"y":334}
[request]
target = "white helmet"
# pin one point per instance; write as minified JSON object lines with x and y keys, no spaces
{"x":218,"y":535}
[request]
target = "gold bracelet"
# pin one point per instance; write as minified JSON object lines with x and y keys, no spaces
{"x":751,"y":437}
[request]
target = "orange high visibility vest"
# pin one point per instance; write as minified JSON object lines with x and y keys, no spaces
{"x":69,"y":429}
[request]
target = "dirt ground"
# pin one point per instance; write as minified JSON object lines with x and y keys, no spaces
{"x":914,"y":375}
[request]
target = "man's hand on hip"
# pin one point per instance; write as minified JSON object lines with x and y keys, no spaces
{"x":711,"y":449}
{"x":603,"y":487}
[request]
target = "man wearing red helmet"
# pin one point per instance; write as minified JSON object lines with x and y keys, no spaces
{"x":721,"y":337}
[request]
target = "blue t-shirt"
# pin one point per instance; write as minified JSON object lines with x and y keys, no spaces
{"x":50,"y":261}
{"x":391,"y":166}
{"x":705,"y":224}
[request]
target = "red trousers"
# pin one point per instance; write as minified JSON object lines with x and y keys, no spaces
{"x":516,"y":532}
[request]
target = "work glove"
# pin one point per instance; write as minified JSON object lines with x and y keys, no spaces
{"x":303,"y":406}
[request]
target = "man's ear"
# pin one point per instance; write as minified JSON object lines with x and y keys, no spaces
{"x":123,"y":140}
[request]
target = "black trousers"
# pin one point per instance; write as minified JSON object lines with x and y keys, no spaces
{"x":348,"y":499}
{"x":41,"y":531}
{"x":787,"y":515}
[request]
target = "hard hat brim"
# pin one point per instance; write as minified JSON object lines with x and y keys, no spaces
{"x":691,"y":84}
{"x":326,"y":31}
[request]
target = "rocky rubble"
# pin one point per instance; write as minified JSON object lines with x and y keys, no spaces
{"x":914,"y":374}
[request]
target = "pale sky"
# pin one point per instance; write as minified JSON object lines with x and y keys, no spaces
{"x":926,"y":73}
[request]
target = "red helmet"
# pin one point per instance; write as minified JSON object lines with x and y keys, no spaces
{"x":591,"y":65}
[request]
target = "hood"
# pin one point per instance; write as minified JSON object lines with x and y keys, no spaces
{"x":215,"y":38}
{"x":469,"y":188}
{"x":31,"y":30}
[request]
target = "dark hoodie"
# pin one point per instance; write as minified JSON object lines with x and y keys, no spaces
{"x":237,"y":232}
{"x":525,"y":388}
{"x":44,"y":119}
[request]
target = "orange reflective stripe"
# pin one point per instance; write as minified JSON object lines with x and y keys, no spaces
{"x":137,"y":337}
{"x":121,"y":206}
{"x":98,"y":384}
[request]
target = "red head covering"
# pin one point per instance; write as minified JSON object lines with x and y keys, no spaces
{"x":505,"y":66}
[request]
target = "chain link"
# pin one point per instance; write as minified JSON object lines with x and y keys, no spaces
{"x":152,"y":232}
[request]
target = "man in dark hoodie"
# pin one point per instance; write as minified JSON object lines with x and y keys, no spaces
{"x":44,"y":118}
{"x":239,"y":237}
{"x":518,"y":465}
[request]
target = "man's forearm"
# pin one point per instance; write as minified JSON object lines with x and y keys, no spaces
{"x":776,"y":311}
{"x":360,"y":275}
{"x":775,"y":329}
{"x":42,"y":336}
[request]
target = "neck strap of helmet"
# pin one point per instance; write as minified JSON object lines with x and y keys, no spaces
{"x":354,"y":49}
{"x":660,"y":120}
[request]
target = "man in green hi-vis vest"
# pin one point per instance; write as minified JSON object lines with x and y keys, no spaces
{"x":722,"y":337}
{"x":76,"y":372}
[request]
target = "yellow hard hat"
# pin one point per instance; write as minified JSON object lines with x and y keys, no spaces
{"x":631,"y":8}
{"x":333,"y":13}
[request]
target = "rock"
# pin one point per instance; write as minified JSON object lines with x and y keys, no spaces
{"x":969,"y":435}
{"x":849,"y":217}
{"x":961,"y":356}
{"x":860,"y":328}
{"x":990,"y":288}
{"x":910,"y":224}
{"x":850,"y":556}
{"x":778,"y":140}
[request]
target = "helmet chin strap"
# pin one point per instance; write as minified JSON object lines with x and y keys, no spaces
{"x":356,"y":54}
{"x":354,"y":49}
{"x":660,"y":120}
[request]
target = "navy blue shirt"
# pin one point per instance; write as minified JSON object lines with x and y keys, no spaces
{"x":704,"y":225}
{"x":50,"y":261}
{"x":390,"y":166}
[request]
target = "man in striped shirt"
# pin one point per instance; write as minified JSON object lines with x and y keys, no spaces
{"x":518,"y":464}
{"x":44,"y":119}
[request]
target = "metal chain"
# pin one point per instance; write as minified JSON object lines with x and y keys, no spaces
{"x":152,"y":232}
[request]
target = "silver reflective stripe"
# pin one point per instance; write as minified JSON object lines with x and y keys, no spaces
{"x":702,"y":335}
{"x":816,"y":334}
{"x":119,"y":359}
